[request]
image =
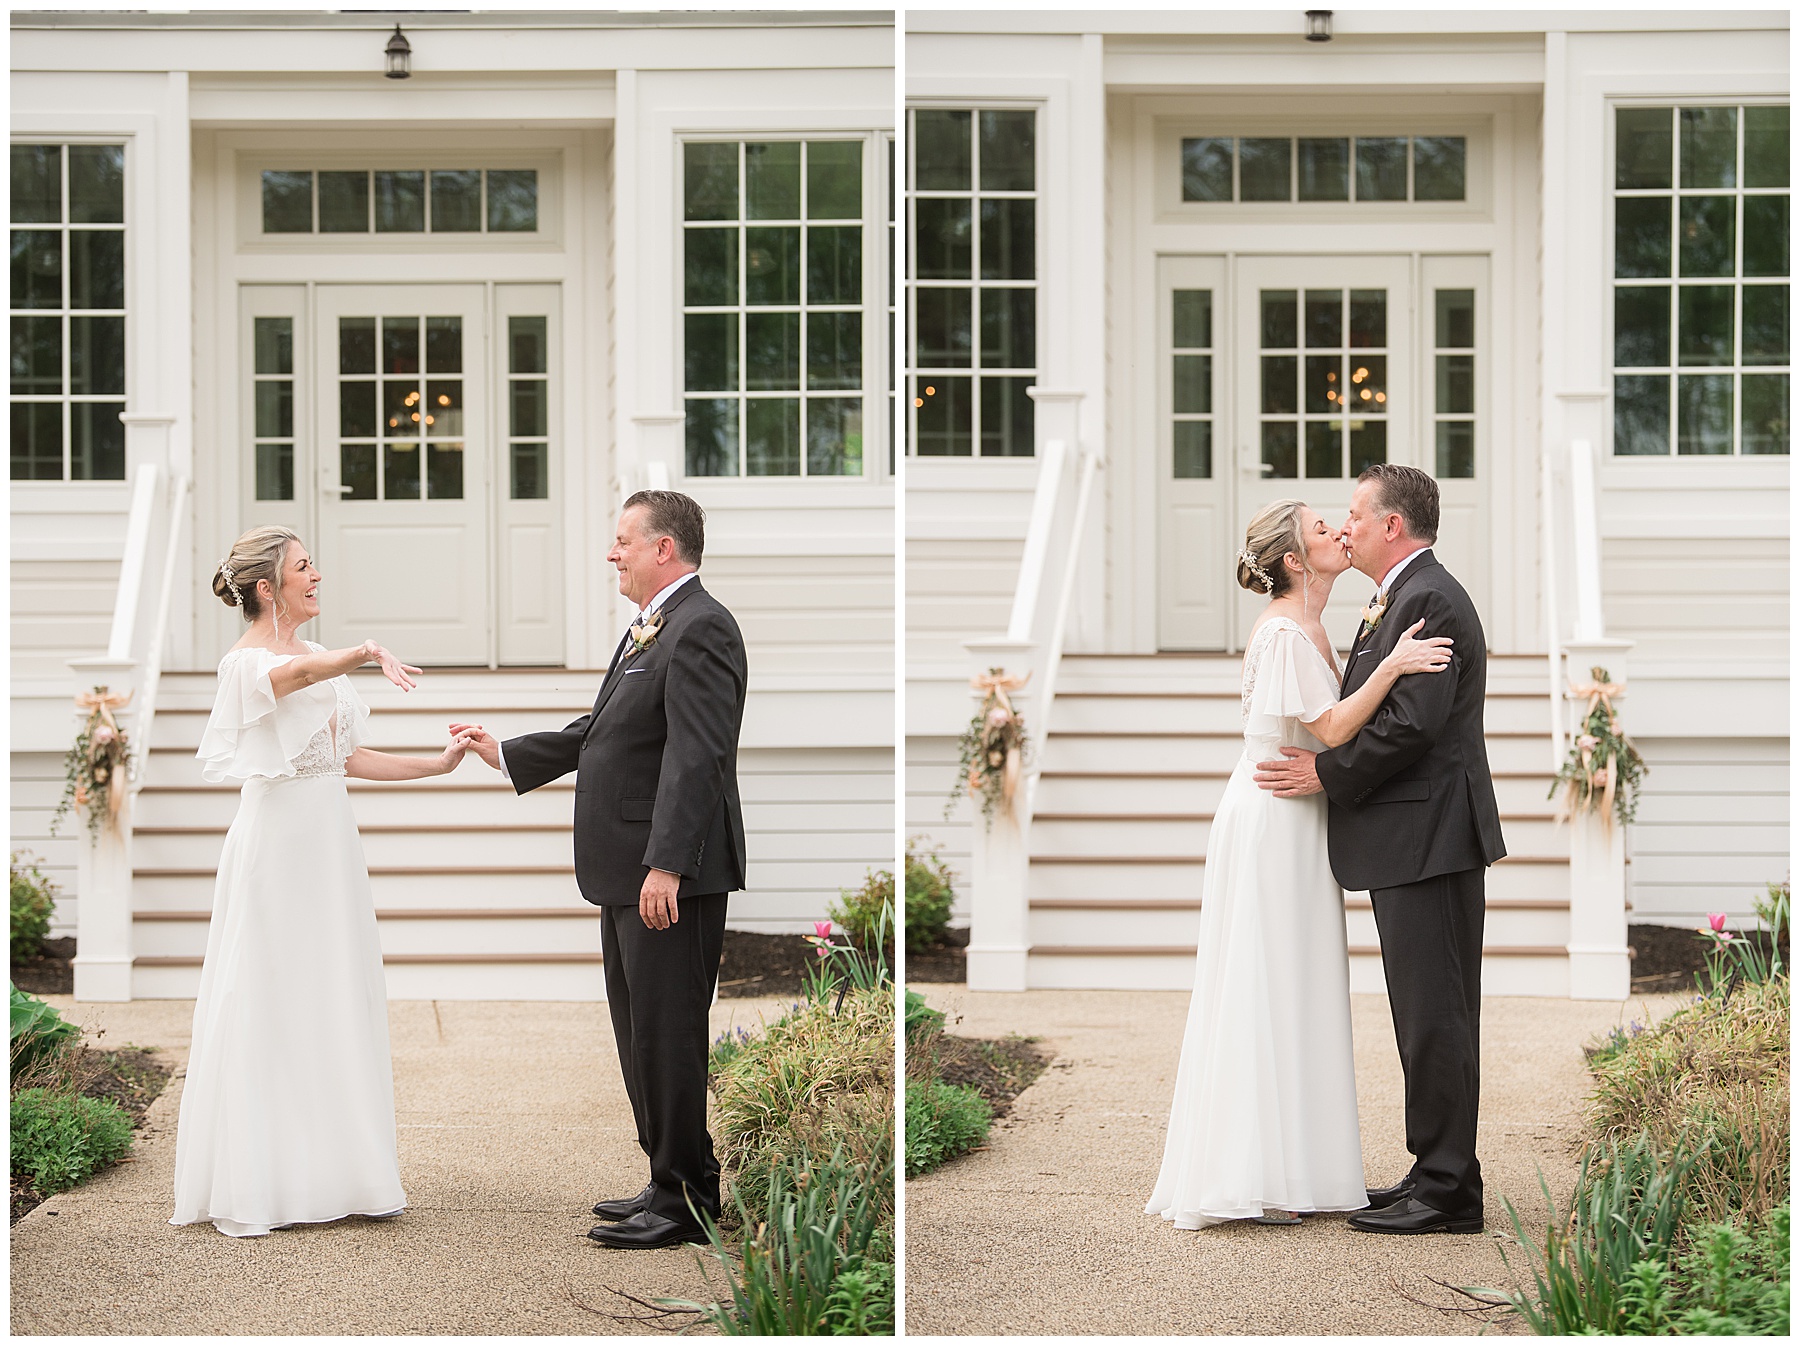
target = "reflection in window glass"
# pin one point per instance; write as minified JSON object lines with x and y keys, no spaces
{"x":1700,"y":271}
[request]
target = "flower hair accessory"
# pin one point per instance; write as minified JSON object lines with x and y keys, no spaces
{"x":230,"y":580}
{"x":1247,"y":559}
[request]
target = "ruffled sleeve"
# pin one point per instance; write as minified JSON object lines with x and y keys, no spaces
{"x":251,"y":732}
{"x":1292,"y":683}
{"x":356,"y":726}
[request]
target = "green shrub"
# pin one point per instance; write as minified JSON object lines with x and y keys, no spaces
{"x":59,"y":1139}
{"x":816,"y":1259}
{"x":867,"y":914}
{"x":923,"y":1023}
{"x":817,"y":1080}
{"x":1711,"y":1078}
{"x":929,"y":897}
{"x":942,"y":1121}
{"x":726,"y":1048}
{"x":38,"y":1031}
{"x":33,"y":900}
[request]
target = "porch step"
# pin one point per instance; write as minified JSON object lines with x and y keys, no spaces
{"x":1135,"y":764}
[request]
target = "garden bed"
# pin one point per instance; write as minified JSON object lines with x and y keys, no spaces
{"x":945,"y":961}
{"x":756,"y":964}
{"x":131,"y":1077}
{"x":999,"y":1069}
{"x":51,"y":973}
{"x":1669,"y":957}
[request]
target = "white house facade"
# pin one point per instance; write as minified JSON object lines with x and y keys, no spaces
{"x":442,"y":325}
{"x":1167,"y":266}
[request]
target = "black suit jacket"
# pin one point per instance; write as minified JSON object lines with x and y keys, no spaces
{"x":656,"y":759}
{"x":1411,"y":796}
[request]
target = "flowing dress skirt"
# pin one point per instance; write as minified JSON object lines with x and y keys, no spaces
{"x":1264,"y":1115}
{"x":287,"y":1116}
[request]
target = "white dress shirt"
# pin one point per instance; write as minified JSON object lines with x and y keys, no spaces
{"x":657,"y":599}
{"x":1387,"y":580}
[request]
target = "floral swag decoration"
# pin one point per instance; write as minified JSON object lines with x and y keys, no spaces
{"x":993,"y":746}
{"x":1603,"y":772}
{"x":94,"y":768}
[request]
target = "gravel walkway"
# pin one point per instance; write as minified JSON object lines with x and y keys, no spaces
{"x":513,"y":1121}
{"x":1044,"y":1231}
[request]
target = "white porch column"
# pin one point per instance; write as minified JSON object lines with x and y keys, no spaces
{"x":103,"y":871}
{"x":999,"y":919}
{"x":1599,"y":966}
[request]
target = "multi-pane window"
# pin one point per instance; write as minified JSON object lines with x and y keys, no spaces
{"x":400,"y":408}
{"x":1324,"y":168}
{"x":973,"y":196}
{"x":1453,"y":410}
{"x":273,"y":401}
{"x":68,"y":312}
{"x":1324,"y":381}
{"x":528,"y":406}
{"x":406,"y":201}
{"x":1700,"y":288}
{"x":772,"y":308}
{"x":1191,"y":385}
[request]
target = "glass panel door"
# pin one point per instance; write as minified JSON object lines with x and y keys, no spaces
{"x":405,"y":473}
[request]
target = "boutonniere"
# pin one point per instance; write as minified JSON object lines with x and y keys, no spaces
{"x":644,"y":633}
{"x":1372,"y":614}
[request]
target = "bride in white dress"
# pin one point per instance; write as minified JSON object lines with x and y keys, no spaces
{"x":287,"y":1116}
{"x":1264,"y":1117}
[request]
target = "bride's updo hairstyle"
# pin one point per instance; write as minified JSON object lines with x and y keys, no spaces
{"x":1273,"y":533}
{"x":257,"y":555}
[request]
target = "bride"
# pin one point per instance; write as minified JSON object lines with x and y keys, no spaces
{"x":288,"y":1112}
{"x":1263,"y":1123}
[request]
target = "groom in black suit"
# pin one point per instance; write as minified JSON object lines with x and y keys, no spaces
{"x":659,"y":842}
{"x":1413,"y":820}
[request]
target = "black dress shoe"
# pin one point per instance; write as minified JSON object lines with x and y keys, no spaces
{"x":626,"y":1206}
{"x":646,"y":1230}
{"x":1412,"y":1216}
{"x":1380,"y":1198}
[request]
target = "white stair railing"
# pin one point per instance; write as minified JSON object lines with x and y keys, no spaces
{"x":1032,"y":647}
{"x":1599,"y":965}
{"x":132,"y":667}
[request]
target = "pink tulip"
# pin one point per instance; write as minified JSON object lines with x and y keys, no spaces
{"x":1716,"y":919}
{"x":822,"y":929}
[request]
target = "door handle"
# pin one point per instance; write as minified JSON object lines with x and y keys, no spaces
{"x":341,"y":490}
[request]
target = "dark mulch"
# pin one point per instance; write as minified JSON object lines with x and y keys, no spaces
{"x":1669,"y":957}
{"x":999,"y":1069}
{"x":764,"y":964}
{"x":944,"y":961}
{"x":131,"y":1077}
{"x":49,"y":974}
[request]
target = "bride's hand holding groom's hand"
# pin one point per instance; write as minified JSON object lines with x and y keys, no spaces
{"x":452,"y":755}
{"x":486,"y":746}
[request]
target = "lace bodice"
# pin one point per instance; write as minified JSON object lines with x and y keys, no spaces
{"x":1284,"y":684}
{"x":310,"y":732}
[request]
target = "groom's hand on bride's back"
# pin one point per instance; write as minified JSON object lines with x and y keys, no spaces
{"x":1295,"y":775}
{"x":483,"y":744}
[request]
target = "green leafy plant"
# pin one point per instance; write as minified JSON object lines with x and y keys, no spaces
{"x":1603,"y":772}
{"x":993,"y":748}
{"x":922,"y":1021}
{"x":726,"y":1048}
{"x":1735,"y":958}
{"x":38,"y":1032}
{"x":929,"y":897}
{"x":843,"y":964}
{"x":33,"y":901}
{"x":814,"y":1260}
{"x":867,"y":914}
{"x":61,"y":1139}
{"x":942,"y":1121}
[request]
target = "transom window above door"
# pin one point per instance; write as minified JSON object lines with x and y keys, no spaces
{"x":1324,"y":168}
{"x":400,"y":201}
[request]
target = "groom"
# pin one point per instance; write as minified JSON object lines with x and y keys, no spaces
{"x":1413,"y":820}
{"x":659,"y":842}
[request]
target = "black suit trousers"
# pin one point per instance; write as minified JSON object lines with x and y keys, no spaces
{"x":1431,"y":955}
{"x":659,"y":988}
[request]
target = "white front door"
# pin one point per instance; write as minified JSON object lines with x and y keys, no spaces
{"x":1282,"y":378}
{"x":405,"y":470}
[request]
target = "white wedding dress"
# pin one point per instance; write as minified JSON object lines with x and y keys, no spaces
{"x":287,"y":1116}
{"x":1264,"y":1115}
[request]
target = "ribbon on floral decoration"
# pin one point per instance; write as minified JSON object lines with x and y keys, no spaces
{"x":1604,"y":769}
{"x":106,"y":746}
{"x":1598,"y":693}
{"x":998,"y":718}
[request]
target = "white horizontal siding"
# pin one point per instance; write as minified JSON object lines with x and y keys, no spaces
{"x":1712,"y":828}
{"x":814,"y":614}
{"x":61,"y":610}
{"x":957,"y":590}
{"x":930,"y":774}
{"x":37,"y":785}
{"x":1679,"y":597}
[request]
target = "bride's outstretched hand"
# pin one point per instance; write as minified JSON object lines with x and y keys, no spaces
{"x":401,"y":675}
{"x":1431,"y":655}
{"x":447,"y":760}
